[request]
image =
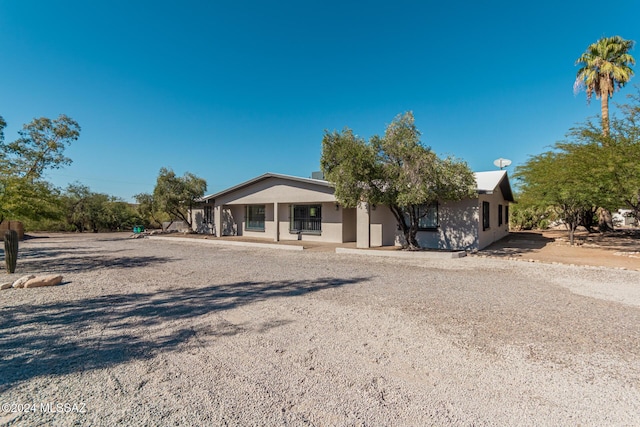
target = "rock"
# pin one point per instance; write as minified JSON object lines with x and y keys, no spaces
{"x":6,"y":285}
{"x":39,"y":281}
{"x":21,"y":281}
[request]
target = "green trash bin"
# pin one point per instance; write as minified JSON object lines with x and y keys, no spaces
{"x":137,"y":229}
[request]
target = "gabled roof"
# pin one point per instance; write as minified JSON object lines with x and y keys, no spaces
{"x":262,"y":177}
{"x":487,"y":182}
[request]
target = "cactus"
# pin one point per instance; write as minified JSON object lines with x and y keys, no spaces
{"x":11,"y":250}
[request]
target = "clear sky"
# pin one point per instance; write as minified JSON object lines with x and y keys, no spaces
{"x":230,"y":90}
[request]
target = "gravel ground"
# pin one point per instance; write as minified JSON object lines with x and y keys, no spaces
{"x":147,"y":332}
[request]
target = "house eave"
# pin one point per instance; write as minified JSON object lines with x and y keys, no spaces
{"x":262,"y":177}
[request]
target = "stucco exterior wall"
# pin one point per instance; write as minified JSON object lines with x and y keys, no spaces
{"x":458,"y":228}
{"x":278,"y":190}
{"x":495,"y":232}
{"x":383,"y":226}
{"x":348,"y":224}
{"x":197,"y":221}
{"x":231,"y":217}
{"x":269,"y":225}
{"x":460,"y":223}
{"x":331,"y":225}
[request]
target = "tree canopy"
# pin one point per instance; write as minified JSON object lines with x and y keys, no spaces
{"x":173,"y":195}
{"x":89,"y":211}
{"x":395,"y":170}
{"x":40,"y":146}
{"x":588,"y":170}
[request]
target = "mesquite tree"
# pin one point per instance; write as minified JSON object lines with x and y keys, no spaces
{"x":395,"y":170}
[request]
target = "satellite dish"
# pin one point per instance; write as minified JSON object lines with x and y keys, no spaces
{"x":502,"y":163}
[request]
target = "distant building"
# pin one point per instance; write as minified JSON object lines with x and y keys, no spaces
{"x":624,"y":218}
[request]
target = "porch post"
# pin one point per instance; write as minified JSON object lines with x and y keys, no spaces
{"x":277,"y":221}
{"x":362,"y":226}
{"x":217,"y":220}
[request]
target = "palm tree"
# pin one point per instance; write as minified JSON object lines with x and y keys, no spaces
{"x":605,"y":67}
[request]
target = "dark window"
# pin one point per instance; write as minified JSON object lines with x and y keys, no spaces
{"x":499,"y":215}
{"x":427,"y":216}
{"x":485,"y":215}
{"x":208,"y":214}
{"x":306,"y":219}
{"x":255,"y":218}
{"x":506,"y":215}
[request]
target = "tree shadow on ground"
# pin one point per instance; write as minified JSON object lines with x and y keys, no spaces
{"x":57,"y":338}
{"x":80,"y":258}
{"x":613,"y":240}
{"x":75,"y":264}
{"x":46,"y":251}
{"x":517,"y":243}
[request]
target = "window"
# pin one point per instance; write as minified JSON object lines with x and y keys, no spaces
{"x":255,"y":218}
{"x":306,"y":219}
{"x":208,"y":214}
{"x":427,"y":216}
{"x":499,"y":215}
{"x":485,"y":215}
{"x":506,"y":215}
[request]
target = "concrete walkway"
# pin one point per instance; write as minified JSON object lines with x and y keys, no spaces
{"x":348,"y":248}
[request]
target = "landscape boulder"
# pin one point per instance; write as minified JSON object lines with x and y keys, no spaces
{"x":19,"y":283}
{"x":39,"y":281}
{"x":5,"y":285}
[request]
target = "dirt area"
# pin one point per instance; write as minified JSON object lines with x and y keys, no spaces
{"x":157,"y":332}
{"x":619,"y":249}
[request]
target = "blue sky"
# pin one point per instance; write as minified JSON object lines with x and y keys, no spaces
{"x":231,"y":90}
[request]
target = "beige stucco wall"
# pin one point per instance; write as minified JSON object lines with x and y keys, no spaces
{"x":197,"y":221}
{"x":458,"y":227}
{"x":460,"y":222}
{"x":285,"y":193}
{"x":231,"y":221}
{"x":382,"y":226}
{"x":331,"y":225}
{"x":269,"y":224}
{"x":494,"y":232}
{"x":362,"y":226}
{"x":197,"y":216}
{"x":278,"y":190}
{"x":348,"y":224}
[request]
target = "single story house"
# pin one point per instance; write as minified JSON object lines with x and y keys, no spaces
{"x":282,"y":207}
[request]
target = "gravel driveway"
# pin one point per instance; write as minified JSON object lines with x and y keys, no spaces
{"x":146,"y":332}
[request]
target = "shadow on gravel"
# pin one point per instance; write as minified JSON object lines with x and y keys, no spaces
{"x":76,"y":264}
{"x":74,"y":336}
{"x":517,"y":243}
{"x":80,"y":258}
